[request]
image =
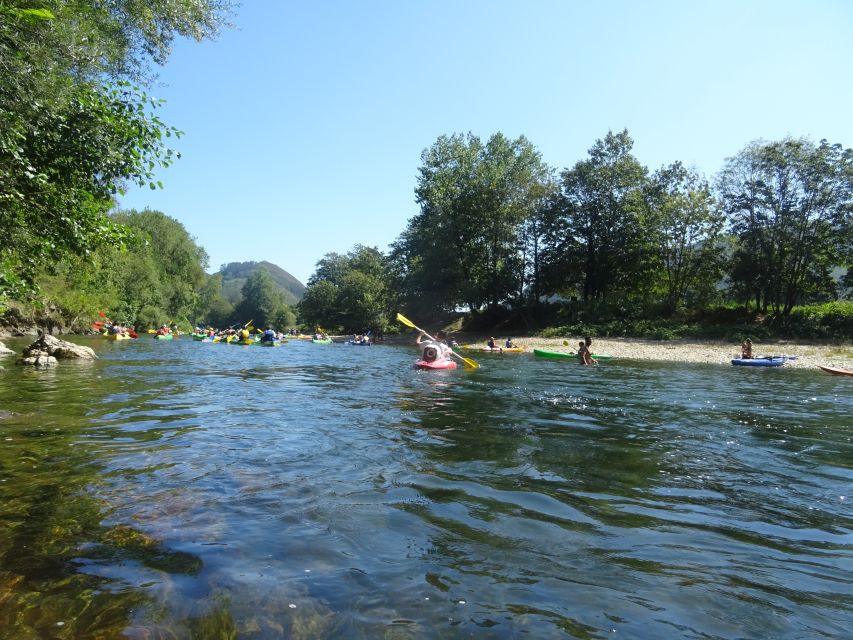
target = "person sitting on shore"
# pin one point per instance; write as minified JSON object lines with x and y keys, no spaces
{"x":746,"y":350}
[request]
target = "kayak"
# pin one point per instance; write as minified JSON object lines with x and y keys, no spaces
{"x":438,"y":363}
{"x":355,"y":343}
{"x":560,"y":354}
{"x":837,"y":371}
{"x":268,"y":343}
{"x":167,"y":336}
{"x":774,"y":361}
{"x":116,"y":336}
{"x":198,"y":337}
{"x":326,"y":341}
{"x":476,"y":347}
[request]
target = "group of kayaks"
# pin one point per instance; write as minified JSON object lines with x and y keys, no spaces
{"x":448,"y":363}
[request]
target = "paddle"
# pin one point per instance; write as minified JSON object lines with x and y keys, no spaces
{"x":468,"y":362}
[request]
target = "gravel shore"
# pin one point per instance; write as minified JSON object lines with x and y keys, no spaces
{"x":707,"y":351}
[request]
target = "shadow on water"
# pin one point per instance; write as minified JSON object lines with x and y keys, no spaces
{"x":55,"y":537}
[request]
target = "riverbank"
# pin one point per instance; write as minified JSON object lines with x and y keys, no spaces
{"x":704,"y":351}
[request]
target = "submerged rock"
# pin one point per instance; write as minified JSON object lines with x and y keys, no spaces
{"x":4,"y":350}
{"x":45,"y":352}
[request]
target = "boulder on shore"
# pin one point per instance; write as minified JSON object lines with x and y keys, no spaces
{"x":4,"y":350}
{"x":45,"y":352}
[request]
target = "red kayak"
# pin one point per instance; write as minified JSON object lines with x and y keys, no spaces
{"x":837,"y":371}
{"x":438,"y":363}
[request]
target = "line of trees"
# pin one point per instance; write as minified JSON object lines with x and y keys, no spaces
{"x":75,"y":126}
{"x":497,"y":228}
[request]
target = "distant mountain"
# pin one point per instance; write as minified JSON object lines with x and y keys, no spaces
{"x":235,"y":274}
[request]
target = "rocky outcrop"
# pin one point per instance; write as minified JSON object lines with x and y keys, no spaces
{"x":47,"y":350}
{"x":4,"y":350}
{"x":24,"y":321}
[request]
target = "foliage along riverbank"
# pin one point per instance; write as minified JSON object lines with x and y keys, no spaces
{"x":613,"y":246}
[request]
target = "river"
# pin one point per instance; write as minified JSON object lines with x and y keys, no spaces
{"x":190,"y":490}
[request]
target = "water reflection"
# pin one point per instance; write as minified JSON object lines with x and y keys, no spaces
{"x":192,"y":490}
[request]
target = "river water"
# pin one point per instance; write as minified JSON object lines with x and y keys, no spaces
{"x":189,"y":490}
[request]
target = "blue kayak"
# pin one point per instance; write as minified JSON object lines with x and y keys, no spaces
{"x":775,"y":361}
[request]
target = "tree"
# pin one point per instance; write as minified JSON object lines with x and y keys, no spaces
{"x":789,"y":204}
{"x":262,"y":301}
{"x":351,"y":292}
{"x":166,"y":265}
{"x":463,"y":247}
{"x":73,"y":131}
{"x":318,"y":306}
{"x":597,"y":232}
{"x":686,"y":226}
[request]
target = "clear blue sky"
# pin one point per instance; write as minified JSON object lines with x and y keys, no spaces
{"x":304,"y":125}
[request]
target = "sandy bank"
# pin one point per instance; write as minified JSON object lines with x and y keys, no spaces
{"x":707,"y":351}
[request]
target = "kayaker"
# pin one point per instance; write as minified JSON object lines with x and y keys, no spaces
{"x":509,"y":344}
{"x":492,"y":344}
{"x":746,"y":349}
{"x":432,"y":349}
{"x":269,"y":335}
{"x":164,"y":330}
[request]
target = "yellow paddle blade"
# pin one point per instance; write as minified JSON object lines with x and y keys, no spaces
{"x":565,"y":343}
{"x":470,"y":363}
{"x":406,"y":321}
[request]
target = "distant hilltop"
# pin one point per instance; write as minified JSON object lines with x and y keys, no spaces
{"x":235,"y":274}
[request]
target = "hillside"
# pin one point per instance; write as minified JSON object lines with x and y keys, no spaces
{"x":234,"y":275}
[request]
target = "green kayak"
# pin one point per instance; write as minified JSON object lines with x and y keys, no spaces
{"x":560,"y":354}
{"x":167,"y":336}
{"x":326,"y":341}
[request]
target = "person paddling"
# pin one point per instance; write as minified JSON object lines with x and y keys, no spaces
{"x":433,"y":349}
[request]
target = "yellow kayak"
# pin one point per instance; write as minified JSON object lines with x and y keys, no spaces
{"x":116,"y":336}
{"x":476,"y":347}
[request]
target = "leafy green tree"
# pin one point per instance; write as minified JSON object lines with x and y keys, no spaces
{"x":262,"y":301}
{"x":351,"y":292}
{"x":684,"y":227}
{"x":789,"y":204}
{"x":212,"y":308}
{"x":165,"y":254}
{"x":463,"y":246}
{"x":319,"y":305}
{"x":596,"y":243}
{"x":73,"y":131}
